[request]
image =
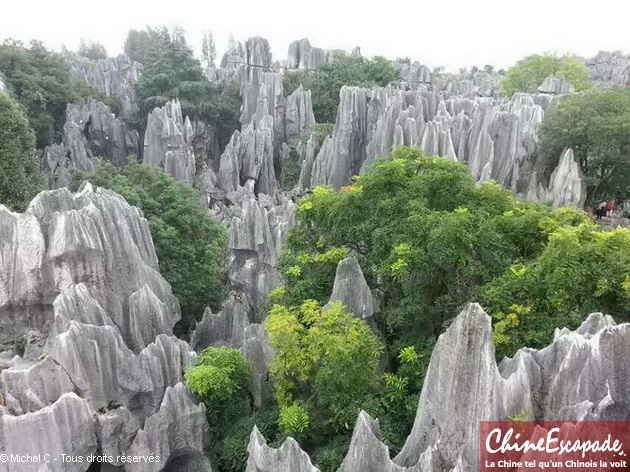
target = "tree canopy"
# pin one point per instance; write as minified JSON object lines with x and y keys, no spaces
{"x":92,"y":50}
{"x":529,"y":73}
{"x":20,"y":175}
{"x":582,"y":270}
{"x":190,"y":244}
{"x":171,"y":71}
{"x":40,"y":81}
{"x":426,"y":236}
{"x":313,"y":345}
{"x":326,"y":82}
{"x":596,"y":125}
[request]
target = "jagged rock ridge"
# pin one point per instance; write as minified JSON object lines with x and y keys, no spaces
{"x":79,"y":278}
{"x":575,"y":378}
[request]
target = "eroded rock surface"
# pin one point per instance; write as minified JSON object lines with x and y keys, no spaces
{"x":575,"y":378}
{"x":79,"y":276}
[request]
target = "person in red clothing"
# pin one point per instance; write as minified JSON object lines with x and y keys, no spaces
{"x":610,"y":206}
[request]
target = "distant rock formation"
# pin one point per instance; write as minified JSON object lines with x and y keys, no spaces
{"x":91,"y":131}
{"x":575,"y":378}
{"x":306,"y":57}
{"x":168,"y":142}
{"x":556,"y":86}
{"x":413,"y":72}
{"x":101,"y":371}
{"x":496,"y":139}
{"x":113,"y":76}
{"x":610,"y":69}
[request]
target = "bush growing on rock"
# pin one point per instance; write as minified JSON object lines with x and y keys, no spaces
{"x":190,"y":243}
{"x":313,"y":346}
{"x":529,"y":73}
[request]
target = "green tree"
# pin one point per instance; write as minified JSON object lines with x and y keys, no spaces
{"x":40,"y":81}
{"x":190,"y":244}
{"x":92,"y":50}
{"x":596,"y":125}
{"x":529,"y":73}
{"x":426,"y":236}
{"x":208,"y":50}
{"x":222,"y":378}
{"x":326,"y":82}
{"x":20,"y":176}
{"x":139,"y":43}
{"x":326,"y":363}
{"x":582,"y":270}
{"x":171,"y":71}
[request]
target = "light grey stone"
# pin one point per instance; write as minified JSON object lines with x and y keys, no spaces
{"x":168,"y":142}
{"x":556,"y":86}
{"x":287,"y":458}
{"x":178,"y":434}
{"x":65,"y":427}
{"x":352,"y":291}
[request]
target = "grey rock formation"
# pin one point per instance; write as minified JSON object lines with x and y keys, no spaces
{"x":367,"y":453}
{"x":65,"y":427}
{"x":496,"y":139}
{"x":287,"y":458}
{"x":565,"y":185}
{"x":258,"y":227}
{"x":113,"y":76}
{"x":91,"y":131}
{"x":179,"y":431}
{"x":556,"y":86}
{"x":258,"y":82}
{"x":342,"y":156}
{"x":168,"y":142}
{"x":352,"y":291}
{"x":80,"y":272}
{"x":225,"y":328}
{"x":299,"y":115}
{"x":306,"y":57}
{"x":257,"y":232}
{"x":2,"y":86}
{"x":610,"y":69}
{"x":413,"y":72}
{"x":575,"y":378}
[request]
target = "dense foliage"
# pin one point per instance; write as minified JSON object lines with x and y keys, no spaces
{"x":326,"y":82}
{"x":171,"y":71}
{"x":581,"y":270}
{"x":425,"y":234}
{"x":429,"y":240}
{"x":222,"y":379}
{"x":596,"y":125}
{"x":139,"y":43}
{"x":20,"y":176}
{"x":40,"y":81}
{"x":529,"y":73}
{"x":190,"y":244}
{"x":92,"y":50}
{"x":313,"y":345}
